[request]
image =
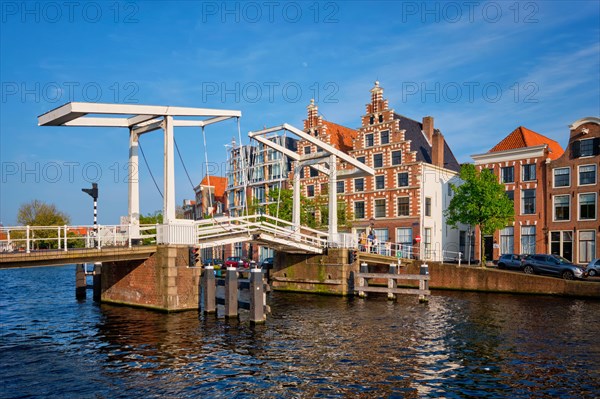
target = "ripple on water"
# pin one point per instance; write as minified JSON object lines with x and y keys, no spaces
{"x":459,"y":345}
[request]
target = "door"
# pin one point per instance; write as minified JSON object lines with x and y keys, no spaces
{"x":488,"y":247}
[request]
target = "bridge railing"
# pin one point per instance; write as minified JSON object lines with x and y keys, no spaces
{"x":224,"y":226}
{"x":406,"y":251}
{"x":65,"y":238}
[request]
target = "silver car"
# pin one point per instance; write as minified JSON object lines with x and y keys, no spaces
{"x":593,"y":268}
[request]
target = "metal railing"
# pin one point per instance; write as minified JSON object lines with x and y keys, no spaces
{"x":64,"y":238}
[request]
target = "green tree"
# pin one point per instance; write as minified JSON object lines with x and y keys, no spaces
{"x":480,"y":201}
{"x":155,"y":217}
{"x":39,"y":213}
{"x":282,"y":205}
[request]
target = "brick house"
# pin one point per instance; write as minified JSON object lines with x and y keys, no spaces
{"x":405,"y":200}
{"x":519,"y":161}
{"x":572,"y":218}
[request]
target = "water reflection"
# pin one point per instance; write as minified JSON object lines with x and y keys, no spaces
{"x":458,"y":345}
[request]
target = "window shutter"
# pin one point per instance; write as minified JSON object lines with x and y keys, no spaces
{"x":575,"y":149}
{"x":597,"y":146}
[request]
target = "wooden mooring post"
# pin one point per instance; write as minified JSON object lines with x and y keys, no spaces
{"x":80,"y":281}
{"x":392,"y":289}
{"x":232,"y":285}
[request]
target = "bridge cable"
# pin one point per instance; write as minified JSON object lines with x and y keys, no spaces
{"x":149,"y":170}
{"x":182,"y":163}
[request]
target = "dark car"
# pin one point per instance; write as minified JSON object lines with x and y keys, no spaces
{"x":234,"y":261}
{"x":267,"y":264}
{"x":554,"y":265}
{"x":213,"y":262}
{"x":511,"y":261}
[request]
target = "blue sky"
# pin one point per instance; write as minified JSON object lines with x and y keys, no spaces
{"x":480,"y":68}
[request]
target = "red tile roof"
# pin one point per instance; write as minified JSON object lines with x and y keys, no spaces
{"x":341,"y":137}
{"x":219,"y":183}
{"x":523,"y":137}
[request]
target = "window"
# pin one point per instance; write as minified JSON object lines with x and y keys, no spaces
{"x":380,"y":118}
{"x":402,"y":179}
{"x":404,"y":236}
{"x":586,"y":148}
{"x":359,"y":184}
{"x":587,"y":246}
{"x":379,"y":182}
{"x":587,"y":174}
{"x":396,"y":157}
{"x":380,"y":208}
{"x":561,"y":207}
{"x":378,"y":160}
{"x":587,"y":206}
{"x":427,"y":242}
{"x":360,"y":159}
{"x":510,"y":194}
{"x":385,"y":137}
{"x":314,"y":172}
{"x":359,"y":210}
{"x":562,"y":177}
{"x":302,"y":173}
{"x":507,"y":240}
{"x":527,"y":239}
{"x":340,"y":187}
{"x":529,"y":172}
{"x":403,"y":208}
{"x":528,"y":202}
{"x":508,"y":174}
{"x":369,"y":140}
{"x":310,"y":191}
{"x":324,"y":188}
{"x":307,"y":149}
{"x":427,"y":206}
{"x":561,"y":243}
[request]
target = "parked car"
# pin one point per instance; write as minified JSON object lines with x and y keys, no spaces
{"x":234,"y":261}
{"x":511,"y":261}
{"x":552,"y":264}
{"x":593,"y":268}
{"x":267,"y":264}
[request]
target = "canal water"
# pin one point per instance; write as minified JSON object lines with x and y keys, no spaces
{"x":460,"y":345}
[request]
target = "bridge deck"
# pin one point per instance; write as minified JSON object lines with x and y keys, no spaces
{"x":83,"y":255}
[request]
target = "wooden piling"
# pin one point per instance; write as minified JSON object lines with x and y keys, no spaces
{"x":97,"y":282}
{"x":231,"y":292}
{"x":257,"y":298}
{"x":80,"y":281}
{"x":362,"y":282}
{"x":392,"y":283}
{"x":424,"y":284}
{"x":208,"y":290}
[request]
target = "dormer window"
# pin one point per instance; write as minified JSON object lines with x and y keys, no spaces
{"x":371,"y":120}
{"x":380,"y":118}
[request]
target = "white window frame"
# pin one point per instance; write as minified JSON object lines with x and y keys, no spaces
{"x":554,"y":208}
{"x":523,"y":171}
{"x":579,"y":207}
{"x":398,"y":209}
{"x":595,"y":175}
{"x":384,"y":208}
{"x":554,"y":177}
{"x":592,"y":252}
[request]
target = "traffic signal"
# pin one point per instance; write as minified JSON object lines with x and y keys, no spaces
{"x":352,"y":256}
{"x":194,"y":256}
{"x":93,"y":192}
